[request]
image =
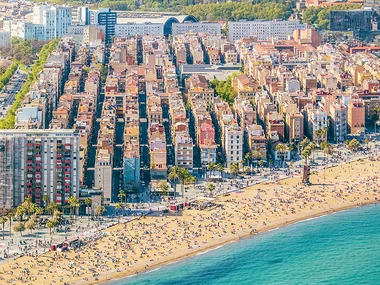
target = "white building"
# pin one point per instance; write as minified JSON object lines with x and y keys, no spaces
{"x":184,"y":151}
{"x":55,"y":19}
{"x":338,"y":122}
{"x":317,"y":119}
{"x":233,"y":144}
{"x":131,"y":29}
{"x":200,"y":27}
{"x":263,"y":30}
{"x":23,"y":29}
{"x":5,"y":38}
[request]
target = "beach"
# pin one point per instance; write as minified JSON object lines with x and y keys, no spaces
{"x":149,"y":242}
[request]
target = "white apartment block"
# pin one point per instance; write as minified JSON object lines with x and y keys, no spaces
{"x":131,"y":29}
{"x":263,"y":30}
{"x":233,"y":144}
{"x":199,"y":27}
{"x":317,"y":119}
{"x":55,"y":19}
{"x":24,"y":30}
{"x":49,"y":22}
{"x":5,"y":38}
{"x":338,"y":122}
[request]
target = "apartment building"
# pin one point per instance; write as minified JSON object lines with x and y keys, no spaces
{"x":317,"y":119}
{"x":197,"y":88}
{"x":131,"y":29}
{"x":263,"y":30}
{"x":35,"y":163}
{"x":338,"y":122}
{"x":257,"y":142}
{"x":356,"y":116}
{"x":294,"y":127}
{"x":207,"y":28}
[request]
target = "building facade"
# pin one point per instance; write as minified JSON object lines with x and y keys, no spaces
{"x":104,"y":17}
{"x":35,"y":163}
{"x":200,"y":27}
{"x":263,"y":30}
{"x":131,"y":29}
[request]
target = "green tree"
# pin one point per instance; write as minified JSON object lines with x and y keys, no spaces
{"x":306,"y":153}
{"x":234,"y":169}
{"x":282,"y":149}
{"x":74,"y":204}
{"x":174,"y":175}
{"x":220,"y":168}
{"x":3,"y":220}
{"x":10,"y":216}
{"x":100,"y":210}
{"x":367,"y":141}
{"x":354,"y":145}
{"x":52,"y":223}
{"x":119,"y":206}
{"x":88,"y":203}
{"x":211,"y":188}
{"x":30,"y":224}
{"x":51,"y":207}
{"x":19,"y":228}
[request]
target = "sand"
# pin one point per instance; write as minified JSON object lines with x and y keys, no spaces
{"x":149,"y":242}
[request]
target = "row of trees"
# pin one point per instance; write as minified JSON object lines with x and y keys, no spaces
{"x":234,"y":11}
{"x":6,"y":76}
{"x":181,"y":175}
{"x":21,"y":50}
{"x":9,"y":121}
{"x":320,"y":16}
{"x":28,"y":212}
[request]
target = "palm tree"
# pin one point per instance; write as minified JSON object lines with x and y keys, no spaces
{"x":327,"y":150}
{"x":282,"y":149}
{"x":183,"y":175}
{"x":313,"y":146}
{"x":220,"y":168}
{"x":88,"y":203}
{"x":100,"y":210}
{"x":51,"y":207}
{"x":260,"y":163}
{"x":122,"y":195}
{"x":248,"y":157}
{"x":118,"y":207}
{"x":163,"y":186}
{"x":10,"y":216}
{"x":304,"y":143}
{"x":367,"y":141}
{"x":234,"y":169}
{"x":306,"y":153}
{"x":212,"y":167}
{"x":354,"y":145}
{"x":3,"y":220}
{"x":73,"y":203}
{"x":211,"y":188}
{"x":256,"y":153}
{"x":51,"y":224}
{"x":45,"y":198}
{"x":174,"y":176}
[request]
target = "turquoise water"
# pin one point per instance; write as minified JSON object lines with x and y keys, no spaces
{"x":343,"y":248}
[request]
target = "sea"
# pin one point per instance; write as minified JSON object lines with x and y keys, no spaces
{"x":340,"y":248}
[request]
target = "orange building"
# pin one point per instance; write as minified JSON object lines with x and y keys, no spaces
{"x":356,"y":116}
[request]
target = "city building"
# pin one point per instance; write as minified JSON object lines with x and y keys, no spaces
{"x":352,"y":20}
{"x":35,"y":163}
{"x":54,"y":19}
{"x":356,"y":116}
{"x":294,"y":127}
{"x":104,"y":17}
{"x":131,"y":29}
{"x":207,"y":28}
{"x":263,"y":30}
{"x":338,"y":122}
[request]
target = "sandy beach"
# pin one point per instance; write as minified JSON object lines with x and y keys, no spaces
{"x":149,"y":242}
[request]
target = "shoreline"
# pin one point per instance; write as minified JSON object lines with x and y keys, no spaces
{"x":149,"y":243}
{"x":113,"y":277}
